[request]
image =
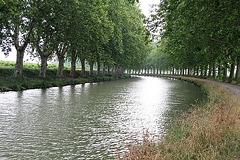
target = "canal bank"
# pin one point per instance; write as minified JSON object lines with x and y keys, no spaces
{"x":31,"y":79}
{"x":210,"y":131}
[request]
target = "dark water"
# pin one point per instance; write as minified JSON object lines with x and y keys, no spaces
{"x":88,"y":121}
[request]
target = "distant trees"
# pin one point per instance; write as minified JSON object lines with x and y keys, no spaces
{"x":198,"y":37}
{"x":107,"y":33}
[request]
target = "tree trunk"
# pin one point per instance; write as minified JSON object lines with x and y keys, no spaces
{"x":201,"y":70}
{"x":43,"y":70}
{"x":73,"y":64}
{"x":108,"y":70}
{"x":122,"y":70}
{"x":225,"y":70}
{"x":210,"y":70}
{"x":98,"y":68}
{"x":214,"y":69}
{"x":205,"y":70}
{"x":44,"y":56}
{"x":18,"y":72}
{"x":60,"y":66}
{"x":104,"y":68}
{"x":83,"y":71}
{"x":232,"y":70}
{"x":61,"y":51}
{"x":91,"y":68}
{"x":116,"y":70}
{"x":238,"y":68}
{"x":219,"y":69}
{"x":112,"y":71}
{"x":197,"y":71}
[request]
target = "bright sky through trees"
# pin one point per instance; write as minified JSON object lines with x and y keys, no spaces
{"x":145,"y":6}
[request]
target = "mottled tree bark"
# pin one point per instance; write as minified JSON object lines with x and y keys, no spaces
{"x":231,"y":76}
{"x":205,"y":70}
{"x":103,"y":70}
{"x":209,"y":70}
{"x":98,"y":68}
{"x":225,"y":70}
{"x":91,"y":68}
{"x":61,"y":51}
{"x":238,"y":68}
{"x":18,"y":71}
{"x":116,"y":70}
{"x":201,"y":68}
{"x":83,"y":70}
{"x":214,"y":69}
{"x":43,"y":70}
{"x":197,"y":70}
{"x":73,"y":64}
{"x":44,"y":51}
{"x":60,"y":66}
{"x":219,"y":69}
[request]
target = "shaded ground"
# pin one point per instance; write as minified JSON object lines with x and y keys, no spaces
{"x":232,"y":87}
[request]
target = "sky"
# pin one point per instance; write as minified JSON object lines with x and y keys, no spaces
{"x":144,"y":6}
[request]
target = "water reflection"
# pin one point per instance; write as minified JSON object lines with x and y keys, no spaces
{"x":88,"y":121}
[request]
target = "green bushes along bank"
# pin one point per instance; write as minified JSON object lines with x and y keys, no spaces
{"x":32,"y":80}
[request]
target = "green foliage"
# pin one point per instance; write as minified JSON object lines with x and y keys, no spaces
{"x":107,"y":32}
{"x":198,"y":34}
{"x":32,"y":79}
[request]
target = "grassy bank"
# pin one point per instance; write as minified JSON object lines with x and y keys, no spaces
{"x":32,"y":80}
{"x":210,"y":131}
{"x":11,"y":64}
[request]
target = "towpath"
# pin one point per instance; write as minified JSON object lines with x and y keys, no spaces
{"x":232,"y":87}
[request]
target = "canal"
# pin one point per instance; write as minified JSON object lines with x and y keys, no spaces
{"x":89,"y":121}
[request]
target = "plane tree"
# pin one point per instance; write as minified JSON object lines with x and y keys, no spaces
{"x":200,"y":34}
{"x":17,"y":26}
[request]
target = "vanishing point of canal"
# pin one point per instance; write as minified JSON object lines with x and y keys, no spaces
{"x":89,"y":121}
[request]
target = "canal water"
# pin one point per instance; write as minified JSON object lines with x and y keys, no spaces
{"x":89,"y":121}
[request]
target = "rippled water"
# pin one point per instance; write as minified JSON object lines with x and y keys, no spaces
{"x":88,"y":121}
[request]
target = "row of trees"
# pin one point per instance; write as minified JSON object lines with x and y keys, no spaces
{"x":197,"y":37}
{"x":109,"y":33}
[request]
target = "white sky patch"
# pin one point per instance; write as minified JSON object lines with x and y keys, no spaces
{"x":10,"y":57}
{"x":145,"y":6}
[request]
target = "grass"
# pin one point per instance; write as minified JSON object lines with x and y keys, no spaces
{"x":10,"y":64}
{"x":32,"y":80}
{"x":210,"y":131}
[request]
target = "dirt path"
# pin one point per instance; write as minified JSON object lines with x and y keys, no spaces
{"x":232,"y":87}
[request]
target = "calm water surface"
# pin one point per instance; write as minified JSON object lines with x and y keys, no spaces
{"x":88,"y":121}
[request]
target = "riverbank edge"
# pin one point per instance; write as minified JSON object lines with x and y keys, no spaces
{"x":32,"y":81}
{"x":229,"y":81}
{"x":210,"y":131}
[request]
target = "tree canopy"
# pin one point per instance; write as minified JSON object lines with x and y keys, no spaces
{"x":103,"y":32}
{"x":198,"y":35}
